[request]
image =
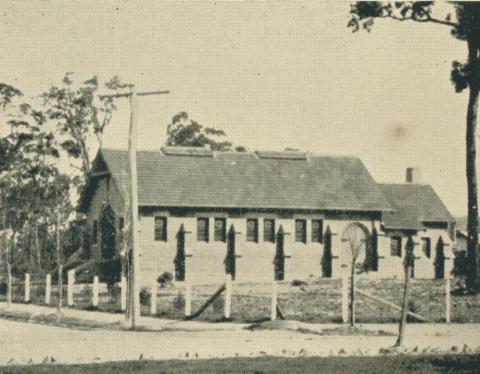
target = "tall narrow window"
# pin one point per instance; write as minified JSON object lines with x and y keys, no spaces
{"x":317,"y":231}
{"x":161,"y":229}
{"x":396,"y":246}
{"x":301,"y":230}
{"x":95,"y":232}
{"x":220,"y":234}
{"x":202,"y":229}
{"x":427,"y":247}
{"x":269,"y":230}
{"x":252,"y":230}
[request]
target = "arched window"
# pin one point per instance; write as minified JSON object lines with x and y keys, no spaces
{"x":108,"y":232}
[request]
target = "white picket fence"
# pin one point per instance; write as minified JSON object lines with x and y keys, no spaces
{"x":95,"y":291}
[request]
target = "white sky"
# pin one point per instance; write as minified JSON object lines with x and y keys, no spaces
{"x":271,"y":74}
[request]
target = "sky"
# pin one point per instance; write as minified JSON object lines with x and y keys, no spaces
{"x":270,"y":74}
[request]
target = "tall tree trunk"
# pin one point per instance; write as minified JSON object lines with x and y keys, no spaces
{"x":403,"y":319}
{"x":37,"y":246}
{"x":9,"y":283}
{"x":352,"y":295}
{"x":60,"y":271}
{"x":9,"y":269}
{"x":472,"y":235}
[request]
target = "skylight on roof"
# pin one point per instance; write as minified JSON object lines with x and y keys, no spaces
{"x":283,"y":155}
{"x":187,"y":151}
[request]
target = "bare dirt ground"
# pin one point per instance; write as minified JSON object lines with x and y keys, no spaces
{"x":29,"y":343}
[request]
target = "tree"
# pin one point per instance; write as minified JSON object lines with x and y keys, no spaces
{"x":186,"y":132}
{"x":80,"y":117}
{"x":464,"y":75}
{"x":32,"y":189}
{"x":355,"y":240}
{"x":58,"y":193}
{"x":408,"y":262}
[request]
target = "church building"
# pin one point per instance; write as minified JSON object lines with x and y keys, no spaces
{"x":265,"y":215}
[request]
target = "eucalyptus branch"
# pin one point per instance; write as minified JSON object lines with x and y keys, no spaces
{"x":428,"y":19}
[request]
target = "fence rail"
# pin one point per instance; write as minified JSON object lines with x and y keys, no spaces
{"x":319,"y":301}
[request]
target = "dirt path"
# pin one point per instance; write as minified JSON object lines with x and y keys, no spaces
{"x":24,"y":343}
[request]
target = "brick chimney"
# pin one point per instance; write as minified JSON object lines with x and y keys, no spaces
{"x":413,"y":176}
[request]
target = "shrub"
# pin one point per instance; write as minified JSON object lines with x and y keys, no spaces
{"x":165,"y":279}
{"x":414,"y":307}
{"x":298,"y":283}
{"x":110,"y":271}
{"x":144,"y":296}
{"x":218,"y":305}
{"x":179,"y":302}
{"x":3,"y":287}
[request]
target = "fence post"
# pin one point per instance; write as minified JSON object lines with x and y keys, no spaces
{"x":95,"y":291}
{"x":273,"y":309}
{"x":123,"y":293}
{"x":48,"y":288}
{"x":188,"y":299}
{"x":344,"y":299}
{"x":153,"y":298}
{"x":228,"y":296}
{"x":27,"y":287}
{"x":70,"y":282}
{"x":447,"y":300}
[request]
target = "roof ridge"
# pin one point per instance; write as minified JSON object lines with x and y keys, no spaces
{"x":308,"y":154}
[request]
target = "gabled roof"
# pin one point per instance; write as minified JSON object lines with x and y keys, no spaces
{"x":414,"y":205}
{"x":267,"y":180}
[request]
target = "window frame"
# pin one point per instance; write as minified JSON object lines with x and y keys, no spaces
{"x":205,"y":236}
{"x":220,"y":236}
{"x":320,"y":231}
{"x":427,"y":240}
{"x":301,"y":235}
{"x":253,"y":239}
{"x":160,"y":236}
{"x":271,"y":232}
{"x":398,"y":249}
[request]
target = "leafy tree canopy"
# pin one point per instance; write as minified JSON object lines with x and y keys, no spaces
{"x":465,"y":25}
{"x":183,"y":131}
{"x":80,"y":116}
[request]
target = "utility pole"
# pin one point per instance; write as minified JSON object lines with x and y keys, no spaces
{"x":132,"y":161}
{"x":134,"y":288}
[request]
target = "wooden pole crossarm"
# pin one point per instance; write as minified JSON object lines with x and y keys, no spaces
{"x":128,"y":94}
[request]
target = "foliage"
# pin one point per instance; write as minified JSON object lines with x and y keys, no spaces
{"x":7,"y":94}
{"x":218,"y":305}
{"x":183,"y":131}
{"x":144,"y":296}
{"x":165,"y":279}
{"x":35,"y":195}
{"x":460,"y":264}
{"x":396,"y":364}
{"x":3,"y":287}
{"x":179,"y":302}
{"x":79,"y":115}
{"x":298,"y":283}
{"x":33,"y":190}
{"x":464,"y":75}
{"x":110,"y":271}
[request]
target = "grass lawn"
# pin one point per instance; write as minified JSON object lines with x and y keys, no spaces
{"x":392,"y":364}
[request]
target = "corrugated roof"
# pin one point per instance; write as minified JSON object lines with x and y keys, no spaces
{"x":243,"y":180}
{"x":414,"y":205}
